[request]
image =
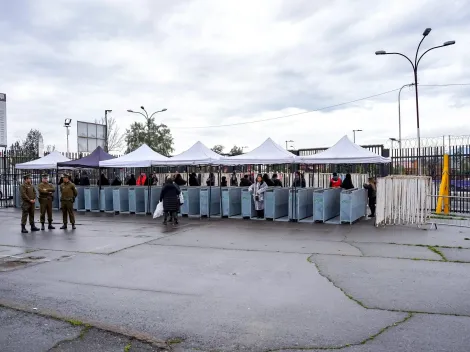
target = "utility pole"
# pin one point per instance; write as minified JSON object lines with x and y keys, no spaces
{"x":106,"y":146}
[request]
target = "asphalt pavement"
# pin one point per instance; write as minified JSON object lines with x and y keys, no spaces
{"x":128,"y":283}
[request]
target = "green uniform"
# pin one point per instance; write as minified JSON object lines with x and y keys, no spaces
{"x":28,"y":193}
{"x":46,"y":195}
{"x":67,"y":197}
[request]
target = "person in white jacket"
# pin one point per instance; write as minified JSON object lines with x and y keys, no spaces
{"x":257,"y":189}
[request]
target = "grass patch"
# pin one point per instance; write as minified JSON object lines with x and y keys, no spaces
{"x":438,"y":252}
{"x":75,"y":322}
{"x":175,"y":341}
{"x":128,"y":347}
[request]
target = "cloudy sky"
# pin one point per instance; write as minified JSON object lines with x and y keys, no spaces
{"x":213,"y":63}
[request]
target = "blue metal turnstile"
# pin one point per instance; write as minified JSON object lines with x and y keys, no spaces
{"x":154,"y":199}
{"x":300,"y":204}
{"x":353,"y":205}
{"x":106,"y":199}
{"x":276,"y":204}
{"x":79,"y":204}
{"x":92,"y":198}
{"x":210,"y":201}
{"x":192,"y":202}
{"x":231,"y":202}
{"x":326,"y":204}
{"x":248,"y":204}
{"x":137,"y":199}
{"x":121,"y":199}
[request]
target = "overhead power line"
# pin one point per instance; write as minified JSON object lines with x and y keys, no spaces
{"x":318,"y":109}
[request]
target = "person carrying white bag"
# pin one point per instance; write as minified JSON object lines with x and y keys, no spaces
{"x":170,"y":198}
{"x":158,"y":210}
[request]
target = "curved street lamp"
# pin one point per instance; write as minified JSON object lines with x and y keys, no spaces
{"x":146,"y":115}
{"x":415,"y":65}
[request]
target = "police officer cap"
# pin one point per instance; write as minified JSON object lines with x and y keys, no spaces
{"x":66,"y":175}
{"x":45,"y":176}
{"x":27,"y":176}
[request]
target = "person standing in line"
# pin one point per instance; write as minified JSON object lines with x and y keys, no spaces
{"x":245,"y":181}
{"x":193,"y":181}
{"x":267,"y":180}
{"x":276,"y":181}
{"x":171,"y":202}
{"x":372,"y":195}
{"x":347,"y":183}
{"x":84,"y":180}
{"x":335,"y":181}
{"x":141,"y":179}
{"x":179,"y":180}
{"x":210,"y":180}
{"x":67,"y":198}
{"x":76,"y":179}
{"x":131,"y":181}
{"x":28,"y":198}
{"x":257,"y":189}
{"x":233,"y":180}
{"x":223,"y":183}
{"x":46,"y":196}
{"x":299,"y":180}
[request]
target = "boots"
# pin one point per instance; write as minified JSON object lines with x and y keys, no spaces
{"x":34,"y":228}
{"x":42,"y":226}
{"x":258,"y":214}
{"x":23,"y":229}
{"x":64,"y":227}
{"x":175,"y":219}
{"x":165,"y":217}
{"x":50,"y":227}
{"x":73,"y":227}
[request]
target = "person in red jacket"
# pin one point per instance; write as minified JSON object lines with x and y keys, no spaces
{"x":141,"y":179}
{"x":335,"y":181}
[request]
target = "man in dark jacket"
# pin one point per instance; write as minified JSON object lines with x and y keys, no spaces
{"x":245,"y":181}
{"x":277,"y":182}
{"x":193,"y":181}
{"x":171,"y":202}
{"x":299,"y":180}
{"x":84,"y":180}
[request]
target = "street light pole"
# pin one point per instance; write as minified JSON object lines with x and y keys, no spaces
{"x":399,"y":116}
{"x":354,"y":134}
{"x":290,"y":141}
{"x":106,"y":146}
{"x":415,"y":65}
{"x":147,"y":118}
{"x":67,"y":124}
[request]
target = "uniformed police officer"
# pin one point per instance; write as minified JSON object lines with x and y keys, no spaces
{"x":28,"y":197}
{"x":46,"y":196}
{"x":67,"y":197}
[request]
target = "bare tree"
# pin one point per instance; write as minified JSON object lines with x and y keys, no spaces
{"x":50,"y":148}
{"x":116,"y":140}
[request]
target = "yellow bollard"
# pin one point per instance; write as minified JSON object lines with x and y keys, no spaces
{"x":444,"y":189}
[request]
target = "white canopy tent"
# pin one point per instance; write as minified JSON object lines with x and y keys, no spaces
{"x":344,"y":152}
{"x":45,"y":163}
{"x":198,"y":154}
{"x":267,"y":153}
{"x":143,"y":156}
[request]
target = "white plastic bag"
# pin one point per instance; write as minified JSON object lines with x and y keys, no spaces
{"x":181,"y":198}
{"x":158,"y":210}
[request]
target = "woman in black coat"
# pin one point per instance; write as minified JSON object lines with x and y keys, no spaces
{"x":347,"y":183}
{"x":268,"y":181}
{"x":132,"y":181}
{"x":193,"y":181}
{"x":171,"y":201}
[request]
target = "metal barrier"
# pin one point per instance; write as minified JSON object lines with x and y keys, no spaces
{"x":192,"y":202}
{"x":154,"y":199}
{"x":326,"y":204}
{"x":453,"y":218}
{"x":137,"y":199}
{"x":276,"y":204}
{"x":92,"y":199}
{"x":231,"y":202}
{"x":121,"y":199}
{"x":106,"y":199}
{"x":353,"y":205}
{"x":210,"y":201}
{"x":300,"y":203}
{"x":248,"y":204}
{"x":79,"y":204}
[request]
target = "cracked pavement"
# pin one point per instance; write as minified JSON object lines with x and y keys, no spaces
{"x":232,"y":285}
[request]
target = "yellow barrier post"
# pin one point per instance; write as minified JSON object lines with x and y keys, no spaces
{"x":444,"y":189}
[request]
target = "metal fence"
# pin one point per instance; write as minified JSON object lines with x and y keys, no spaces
{"x":458,"y":216}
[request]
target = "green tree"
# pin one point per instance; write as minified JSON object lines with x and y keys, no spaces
{"x":236,"y":151}
{"x":219,"y":149}
{"x":157,"y":137}
{"x":30,"y":145}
